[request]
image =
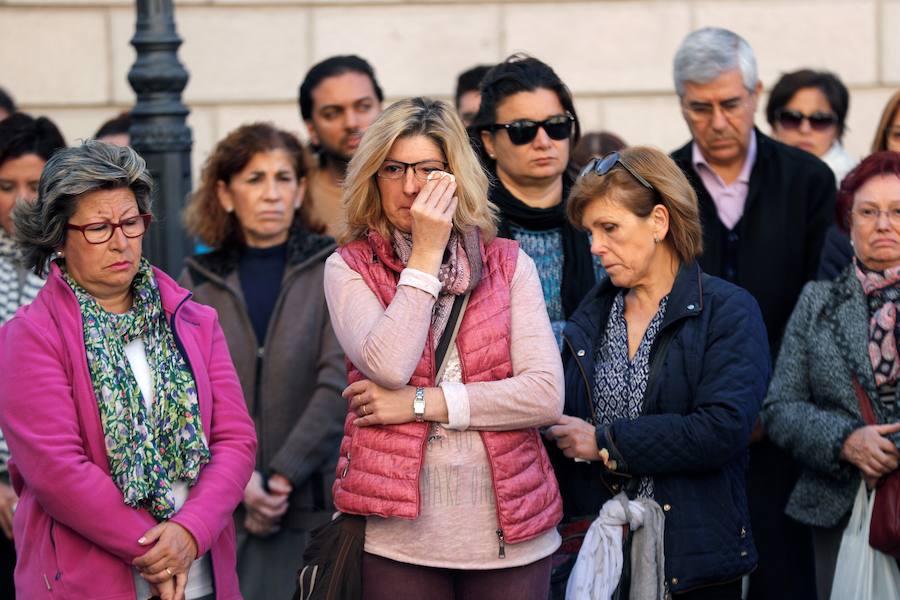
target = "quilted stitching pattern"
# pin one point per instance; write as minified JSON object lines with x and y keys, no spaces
{"x":711,"y":384}
{"x":382,"y":473}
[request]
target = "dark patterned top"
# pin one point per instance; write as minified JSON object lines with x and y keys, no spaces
{"x":620,"y":383}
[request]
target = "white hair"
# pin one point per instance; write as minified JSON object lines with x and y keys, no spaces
{"x":707,"y":53}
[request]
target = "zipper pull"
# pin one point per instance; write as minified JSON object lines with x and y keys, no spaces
{"x":347,"y":466}
{"x":502,"y":540}
{"x":47,"y":582}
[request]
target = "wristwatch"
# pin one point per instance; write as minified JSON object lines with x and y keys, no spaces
{"x":419,"y":405}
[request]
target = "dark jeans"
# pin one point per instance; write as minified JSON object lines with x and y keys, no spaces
{"x":385,"y":579}
{"x":725,"y":591}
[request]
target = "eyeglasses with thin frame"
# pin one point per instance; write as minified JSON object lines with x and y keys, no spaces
{"x":523,"y":131}
{"x":396,"y":169}
{"x":102,"y":231}
{"x":703,"y":111}
{"x":869,"y":215}
{"x":605,"y":164}
{"x":792,"y":119}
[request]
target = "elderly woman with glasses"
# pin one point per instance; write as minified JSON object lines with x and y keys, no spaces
{"x":453,"y":367}
{"x":130,"y":440}
{"x":528,"y":127}
{"x":665,"y":370}
{"x":839,"y":355}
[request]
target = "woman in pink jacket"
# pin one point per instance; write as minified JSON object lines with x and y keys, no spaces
{"x":445,"y":460}
{"x":130,"y":440}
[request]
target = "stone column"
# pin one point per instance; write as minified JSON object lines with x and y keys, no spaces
{"x":159,"y":131}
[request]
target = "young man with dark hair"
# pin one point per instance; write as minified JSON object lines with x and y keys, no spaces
{"x":339,"y":98}
{"x":468,"y":95}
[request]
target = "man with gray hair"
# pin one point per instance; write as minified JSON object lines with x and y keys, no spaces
{"x":765,"y":208}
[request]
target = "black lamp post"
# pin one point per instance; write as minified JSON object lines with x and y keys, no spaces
{"x":159,"y":131}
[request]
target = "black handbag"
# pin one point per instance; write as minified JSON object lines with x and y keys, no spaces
{"x":332,"y":561}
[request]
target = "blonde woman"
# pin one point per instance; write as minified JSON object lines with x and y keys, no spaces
{"x":447,"y":464}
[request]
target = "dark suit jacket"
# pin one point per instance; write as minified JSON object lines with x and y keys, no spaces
{"x":789,"y":207}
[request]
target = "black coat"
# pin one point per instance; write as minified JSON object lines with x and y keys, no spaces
{"x":790,"y":205}
{"x":775,"y":249}
{"x":699,"y":408}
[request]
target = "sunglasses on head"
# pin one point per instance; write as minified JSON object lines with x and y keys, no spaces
{"x":605,"y":164}
{"x":793,"y":119}
{"x":522,"y":131}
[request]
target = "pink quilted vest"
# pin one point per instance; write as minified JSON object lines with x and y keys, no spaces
{"x":378,"y":470}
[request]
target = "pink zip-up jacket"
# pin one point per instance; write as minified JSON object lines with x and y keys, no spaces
{"x":75,"y":536}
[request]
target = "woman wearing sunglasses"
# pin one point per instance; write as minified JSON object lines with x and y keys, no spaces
{"x":807,"y":109}
{"x":528,"y":126}
{"x":441,"y":450}
{"x":665,"y":370}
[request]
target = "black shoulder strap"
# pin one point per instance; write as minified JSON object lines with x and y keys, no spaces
{"x":656,"y":361}
{"x":444,"y":342}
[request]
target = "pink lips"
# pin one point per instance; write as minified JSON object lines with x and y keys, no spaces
{"x":119,"y":266}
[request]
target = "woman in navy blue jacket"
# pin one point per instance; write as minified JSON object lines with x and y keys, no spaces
{"x":666,"y":369}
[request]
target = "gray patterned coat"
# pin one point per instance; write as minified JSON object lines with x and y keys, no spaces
{"x":811,"y":407}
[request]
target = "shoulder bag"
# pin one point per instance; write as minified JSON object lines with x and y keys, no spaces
{"x":332,"y":561}
{"x":884,"y":533}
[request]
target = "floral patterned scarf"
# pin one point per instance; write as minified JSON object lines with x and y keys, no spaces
{"x":148,"y":449}
{"x":460,"y":271}
{"x":882,"y":289}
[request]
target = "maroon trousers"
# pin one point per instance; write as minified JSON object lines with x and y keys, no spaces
{"x":385,"y":579}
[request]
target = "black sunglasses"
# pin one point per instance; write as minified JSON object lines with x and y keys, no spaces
{"x":522,"y":131}
{"x":605,"y":164}
{"x":793,"y":119}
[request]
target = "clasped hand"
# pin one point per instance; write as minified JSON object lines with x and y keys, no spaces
{"x":165,"y":566}
{"x":265,"y":508}
{"x":377,"y":405}
{"x":576,"y":438}
{"x":874,"y":454}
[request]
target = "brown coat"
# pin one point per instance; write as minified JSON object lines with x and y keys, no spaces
{"x":292,"y":381}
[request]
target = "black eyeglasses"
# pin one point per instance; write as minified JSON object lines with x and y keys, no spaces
{"x":395,"y":169}
{"x":605,"y":164}
{"x":793,"y":119}
{"x":522,"y":131}
{"x":102,"y":231}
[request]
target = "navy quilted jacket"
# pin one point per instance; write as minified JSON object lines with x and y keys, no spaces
{"x":700,"y":405}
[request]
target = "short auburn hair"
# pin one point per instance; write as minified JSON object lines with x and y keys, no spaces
{"x":672,"y":191}
{"x":880,"y":163}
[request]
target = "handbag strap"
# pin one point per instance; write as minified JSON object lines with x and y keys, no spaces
{"x":449,"y":335}
{"x":865,"y":404}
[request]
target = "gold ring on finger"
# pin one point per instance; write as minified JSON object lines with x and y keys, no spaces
{"x":366,"y":409}
{"x":169,"y":571}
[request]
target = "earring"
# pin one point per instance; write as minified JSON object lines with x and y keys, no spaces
{"x":59,"y":254}
{"x":655,"y":239}
{"x":492,"y":156}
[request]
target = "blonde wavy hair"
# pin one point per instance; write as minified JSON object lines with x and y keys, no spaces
{"x":408,"y":118}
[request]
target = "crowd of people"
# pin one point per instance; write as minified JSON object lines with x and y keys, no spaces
{"x":469,"y":327}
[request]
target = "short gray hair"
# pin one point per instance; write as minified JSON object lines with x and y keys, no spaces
{"x":40,"y":226}
{"x":707,"y":53}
